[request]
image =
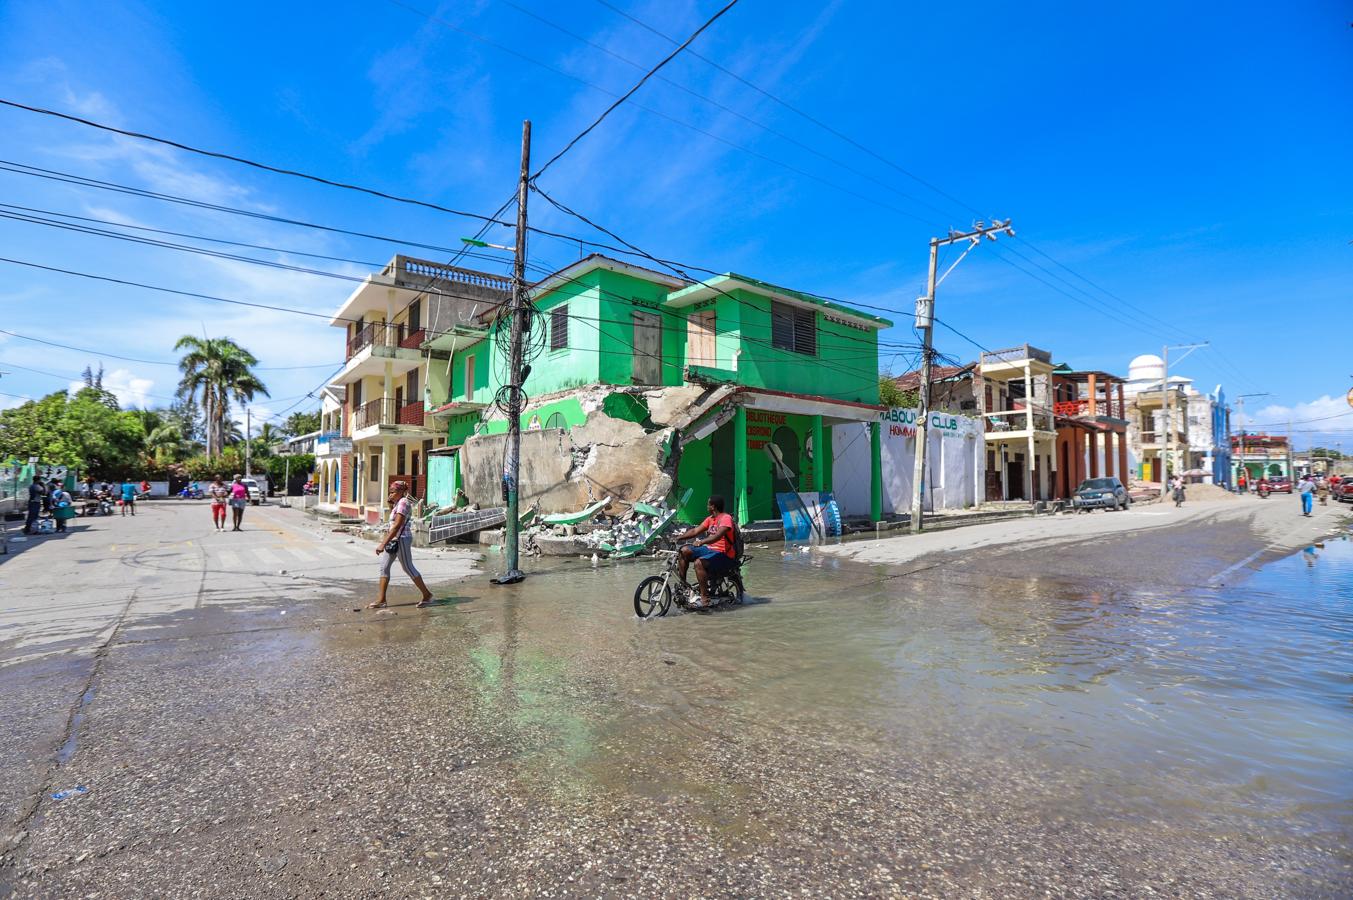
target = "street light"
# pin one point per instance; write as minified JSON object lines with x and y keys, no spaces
{"x":475,"y":242}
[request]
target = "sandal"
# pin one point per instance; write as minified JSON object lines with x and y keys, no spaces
{"x":378,"y":604}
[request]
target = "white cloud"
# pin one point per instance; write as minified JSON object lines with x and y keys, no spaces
{"x":131,"y":390}
{"x":1327,"y":415}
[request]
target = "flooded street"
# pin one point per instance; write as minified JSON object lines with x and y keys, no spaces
{"x":948,"y":728}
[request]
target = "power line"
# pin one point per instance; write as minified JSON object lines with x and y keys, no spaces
{"x":83,"y":181}
{"x":100,"y":354}
{"x":630,"y":93}
{"x":215,"y":154}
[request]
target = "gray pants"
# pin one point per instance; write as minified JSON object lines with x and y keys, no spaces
{"x":405,"y":557}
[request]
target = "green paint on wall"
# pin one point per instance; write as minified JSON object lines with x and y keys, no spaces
{"x":627,"y":407}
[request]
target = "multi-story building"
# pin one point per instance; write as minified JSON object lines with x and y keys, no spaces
{"x":1021,"y":436}
{"x":1157,"y":419}
{"x":754,"y":366}
{"x":401,"y":326}
{"x":1259,"y":455}
{"x":1092,"y":426}
{"x":1209,"y":430}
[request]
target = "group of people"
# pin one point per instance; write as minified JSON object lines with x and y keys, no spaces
{"x":50,"y":498}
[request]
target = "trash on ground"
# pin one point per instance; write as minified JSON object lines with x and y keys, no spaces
{"x":70,"y":792}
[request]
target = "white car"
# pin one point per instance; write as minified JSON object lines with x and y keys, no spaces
{"x":255,"y":493}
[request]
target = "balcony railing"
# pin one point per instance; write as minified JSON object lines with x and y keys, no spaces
{"x":1153,"y":437}
{"x":1077,"y":408}
{"x":1015,"y":420}
{"x":385,"y":334}
{"x":385,"y":412}
{"x":1015,"y":354}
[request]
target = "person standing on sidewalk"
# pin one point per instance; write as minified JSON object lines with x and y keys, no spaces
{"x":128,"y":498}
{"x":398,"y":544}
{"x":239,"y":498}
{"x":37,"y":492}
{"x":1307,"y":492}
{"x":219,"y":495}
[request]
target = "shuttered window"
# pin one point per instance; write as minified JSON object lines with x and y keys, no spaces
{"x":559,"y":327}
{"x":793,"y":329}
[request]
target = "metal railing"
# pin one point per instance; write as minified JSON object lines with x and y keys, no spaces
{"x":384,"y":412}
{"x":1074,"y":408}
{"x":1015,"y":420}
{"x":1015,"y":354}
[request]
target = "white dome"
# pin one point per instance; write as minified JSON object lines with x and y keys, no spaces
{"x":1147,"y":367}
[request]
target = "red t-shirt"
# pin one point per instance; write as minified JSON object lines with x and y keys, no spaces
{"x":724,"y":544}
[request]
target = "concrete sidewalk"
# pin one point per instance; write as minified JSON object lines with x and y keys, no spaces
{"x":1273,"y":524}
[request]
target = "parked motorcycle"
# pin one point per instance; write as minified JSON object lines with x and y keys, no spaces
{"x":192,"y":493}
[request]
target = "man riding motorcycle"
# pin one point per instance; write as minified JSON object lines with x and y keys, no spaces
{"x":713,"y":551}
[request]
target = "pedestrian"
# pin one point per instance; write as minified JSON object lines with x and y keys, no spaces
{"x":1322,"y":491}
{"x":37,"y":494}
{"x":398,"y":544}
{"x":1242,"y":483}
{"x":145,"y":488}
{"x":1306,"y":490}
{"x":1177,"y":485}
{"x":63,"y":507}
{"x":239,"y":498}
{"x":128,"y":498}
{"x":219,"y":495}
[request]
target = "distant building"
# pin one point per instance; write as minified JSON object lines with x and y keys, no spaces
{"x":1262,"y":455}
{"x":1091,"y":418}
{"x":1197,"y":437}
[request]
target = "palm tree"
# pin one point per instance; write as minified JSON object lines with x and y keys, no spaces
{"x":217,"y":370}
{"x":166,"y":441}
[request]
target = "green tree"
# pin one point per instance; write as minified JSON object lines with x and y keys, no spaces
{"x":301,"y":423}
{"x":892,"y":396}
{"x":87,"y":431}
{"x":215,"y":372}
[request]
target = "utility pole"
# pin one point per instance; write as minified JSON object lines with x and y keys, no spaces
{"x":925,"y":323}
{"x":1166,"y":404}
{"x":512,"y":465}
{"x":1240,"y":401}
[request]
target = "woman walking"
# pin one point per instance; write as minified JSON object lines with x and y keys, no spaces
{"x":239,"y":498}
{"x":219,"y":494}
{"x":398,"y":544}
{"x":1178,"y":484}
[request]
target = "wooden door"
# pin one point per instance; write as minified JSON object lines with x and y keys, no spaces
{"x":700,"y":339}
{"x":647,"y":368}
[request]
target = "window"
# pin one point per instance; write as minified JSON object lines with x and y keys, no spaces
{"x":399,"y":460}
{"x":469,"y":377}
{"x":411,"y":386}
{"x":559,"y":327}
{"x":793,"y":329}
{"x":373,"y":473}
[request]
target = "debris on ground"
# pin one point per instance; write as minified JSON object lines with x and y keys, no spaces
{"x":70,"y":792}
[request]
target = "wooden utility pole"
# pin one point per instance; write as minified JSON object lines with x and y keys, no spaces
{"x":512,"y":465}
{"x":925,"y":323}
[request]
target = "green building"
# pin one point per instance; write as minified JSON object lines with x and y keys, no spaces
{"x":794,"y":365}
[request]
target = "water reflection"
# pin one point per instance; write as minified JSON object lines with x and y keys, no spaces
{"x":1179,"y":705}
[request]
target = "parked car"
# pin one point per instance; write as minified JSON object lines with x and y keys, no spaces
{"x":1342,"y":490}
{"x":255,"y":492}
{"x":1279,"y":484}
{"x":1100,"y":493}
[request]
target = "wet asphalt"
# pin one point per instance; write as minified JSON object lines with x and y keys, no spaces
{"x":269,"y":739}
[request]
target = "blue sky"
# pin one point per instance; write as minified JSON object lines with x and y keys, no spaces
{"x":1187,"y":163}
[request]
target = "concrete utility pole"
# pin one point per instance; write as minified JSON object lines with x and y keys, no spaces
{"x":925,"y":322}
{"x":1166,"y":396}
{"x":247,"y":431}
{"x":512,"y":465}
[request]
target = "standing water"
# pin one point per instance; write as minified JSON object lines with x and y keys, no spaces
{"x":1151,"y":732}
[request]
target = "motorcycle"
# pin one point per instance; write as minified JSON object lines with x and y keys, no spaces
{"x":192,"y":493}
{"x":655,"y":594}
{"x":1263,"y":492}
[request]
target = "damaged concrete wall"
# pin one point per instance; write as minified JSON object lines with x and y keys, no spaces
{"x":567,"y":470}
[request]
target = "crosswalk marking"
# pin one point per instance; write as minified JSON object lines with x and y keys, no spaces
{"x":302,"y":555}
{"x":229,"y":559}
{"x":333,"y":551}
{"x":264,"y":555}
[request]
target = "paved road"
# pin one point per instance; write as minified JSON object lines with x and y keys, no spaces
{"x":114,"y":575}
{"x":853,"y":731}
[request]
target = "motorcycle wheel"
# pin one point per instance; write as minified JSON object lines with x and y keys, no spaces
{"x":736,"y":580}
{"x":652,"y":597}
